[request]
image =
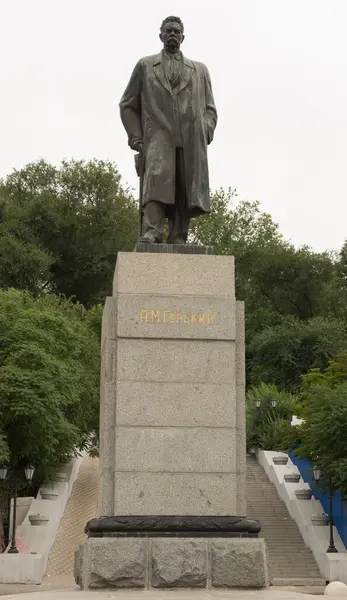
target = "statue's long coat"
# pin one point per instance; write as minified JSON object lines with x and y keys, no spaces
{"x":152,"y":111}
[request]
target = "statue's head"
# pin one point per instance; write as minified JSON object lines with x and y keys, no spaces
{"x":171,"y":33}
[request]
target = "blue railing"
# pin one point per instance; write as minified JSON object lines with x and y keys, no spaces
{"x":339,"y":507}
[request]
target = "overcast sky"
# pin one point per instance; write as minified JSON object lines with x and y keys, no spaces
{"x":279,"y":75}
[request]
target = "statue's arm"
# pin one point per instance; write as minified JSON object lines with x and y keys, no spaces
{"x":130,"y":108}
{"x":211,"y":110}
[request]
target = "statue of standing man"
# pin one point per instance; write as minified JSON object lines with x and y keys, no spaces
{"x":169,"y":115}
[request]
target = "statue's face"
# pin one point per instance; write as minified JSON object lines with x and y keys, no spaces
{"x":172,"y":36}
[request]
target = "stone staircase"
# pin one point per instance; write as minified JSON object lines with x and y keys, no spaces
{"x":290,"y":561}
{"x":80,"y":507}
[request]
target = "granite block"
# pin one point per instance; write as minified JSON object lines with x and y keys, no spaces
{"x":176,"y":404}
{"x":179,"y":563}
{"x":79,"y":565}
{"x":107,"y":418}
{"x":239,"y":563}
{"x":107,"y":448}
{"x":181,"y":317}
{"x":108,"y":405}
{"x":240,"y":407}
{"x":175,"y":449}
{"x":240,"y":501}
{"x":109,"y":318}
{"x":241,"y":451}
{"x":171,"y":563}
{"x":108,"y":361}
{"x":240,"y":345}
{"x":240,"y":436}
{"x":107,"y":424}
{"x":105,"y":507}
{"x":176,"y":360}
{"x":175,"y":494}
{"x":174,"y":274}
{"x":117,"y":563}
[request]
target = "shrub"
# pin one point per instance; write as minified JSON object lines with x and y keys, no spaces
{"x":269,"y":427}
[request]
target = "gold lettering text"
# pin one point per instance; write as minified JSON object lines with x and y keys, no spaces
{"x":144,"y":315}
{"x":156,"y":316}
{"x":160,"y":315}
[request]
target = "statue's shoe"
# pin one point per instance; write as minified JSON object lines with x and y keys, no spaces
{"x":148,"y":239}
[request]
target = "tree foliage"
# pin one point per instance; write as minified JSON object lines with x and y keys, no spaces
{"x":49,"y":379}
{"x":321,"y":437}
{"x":282,"y":353}
{"x":267,"y":427}
{"x":61,"y":228}
{"x":274,"y":278}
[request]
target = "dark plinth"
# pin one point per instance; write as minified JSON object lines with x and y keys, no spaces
{"x":173,"y":248}
{"x":172,"y":526}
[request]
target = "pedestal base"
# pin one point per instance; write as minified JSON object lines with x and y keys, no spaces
{"x":172,"y":526}
{"x":124,"y":562}
{"x":173,"y":248}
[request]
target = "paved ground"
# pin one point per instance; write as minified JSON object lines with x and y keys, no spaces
{"x":61,"y":583}
{"x":271,"y":594}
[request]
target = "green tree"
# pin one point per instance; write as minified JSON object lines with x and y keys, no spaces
{"x":282,"y":353}
{"x":235,"y":228}
{"x":322,"y":436}
{"x":342,"y":266}
{"x":273,"y":277}
{"x":334,"y":374}
{"x":49,"y":380}
{"x":65,"y":225}
{"x":289,"y":280}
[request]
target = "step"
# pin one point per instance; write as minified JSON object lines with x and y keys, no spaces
{"x":290,"y":561}
{"x":298,"y":581}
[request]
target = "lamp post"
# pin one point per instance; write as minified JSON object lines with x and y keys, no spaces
{"x":273,"y":402}
{"x":317,"y":475}
{"x":257,"y":408}
{"x":14,"y":484}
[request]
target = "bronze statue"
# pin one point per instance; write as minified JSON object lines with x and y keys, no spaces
{"x":169,"y":115}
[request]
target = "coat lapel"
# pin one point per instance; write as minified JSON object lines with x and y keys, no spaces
{"x":186,"y":75}
{"x":159,"y":72}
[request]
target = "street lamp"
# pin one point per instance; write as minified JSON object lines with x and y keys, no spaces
{"x":257,"y":408}
{"x":3,"y":472}
{"x":273,"y":402}
{"x":15,"y":484}
{"x":317,"y":475}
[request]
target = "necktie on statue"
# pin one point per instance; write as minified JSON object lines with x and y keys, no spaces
{"x":174,"y":72}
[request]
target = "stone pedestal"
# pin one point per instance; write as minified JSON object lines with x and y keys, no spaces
{"x":171,"y":563}
{"x":172,"y":422}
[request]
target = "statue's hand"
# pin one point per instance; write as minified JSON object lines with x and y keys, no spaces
{"x":137,"y":145}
